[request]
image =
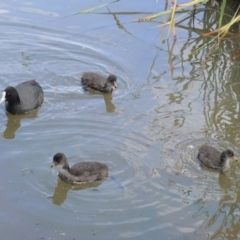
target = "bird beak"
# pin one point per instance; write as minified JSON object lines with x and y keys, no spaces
{"x":115,"y":84}
{"x":3,"y":97}
{"x":235,"y":158}
{"x":53,"y":164}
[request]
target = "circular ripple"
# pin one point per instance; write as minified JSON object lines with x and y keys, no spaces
{"x":82,"y":125}
{"x":180,"y":154}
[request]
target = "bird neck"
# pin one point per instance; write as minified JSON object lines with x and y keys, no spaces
{"x":65,"y":166}
{"x":15,"y":100}
{"x":108,"y":87}
{"x":224,"y":160}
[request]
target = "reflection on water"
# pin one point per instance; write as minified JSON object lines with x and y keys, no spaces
{"x":213,"y":196}
{"x":225,"y":180}
{"x":221,"y":209}
{"x":107,"y":99}
{"x":62,"y":188}
{"x":14,"y":122}
{"x":187,"y":100}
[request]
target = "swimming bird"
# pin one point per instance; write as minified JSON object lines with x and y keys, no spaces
{"x":79,"y":172}
{"x":23,"y":98}
{"x":212,"y":158}
{"x":98,"y":82}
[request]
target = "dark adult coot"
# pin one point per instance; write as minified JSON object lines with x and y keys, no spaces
{"x":98,"y":82}
{"x":212,"y":158}
{"x":80,"y":172}
{"x":23,"y":98}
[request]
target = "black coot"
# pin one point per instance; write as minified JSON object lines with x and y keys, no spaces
{"x":23,"y":98}
{"x":98,"y":82}
{"x":212,"y":158}
{"x":80,"y":172}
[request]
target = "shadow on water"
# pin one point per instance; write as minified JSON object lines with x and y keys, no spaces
{"x":62,"y":188}
{"x":14,"y":122}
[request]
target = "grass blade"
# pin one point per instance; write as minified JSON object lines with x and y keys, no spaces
{"x":94,"y":8}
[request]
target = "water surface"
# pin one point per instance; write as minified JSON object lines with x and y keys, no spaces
{"x":168,"y":103}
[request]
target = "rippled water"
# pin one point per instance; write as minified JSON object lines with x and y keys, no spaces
{"x":148,"y":131}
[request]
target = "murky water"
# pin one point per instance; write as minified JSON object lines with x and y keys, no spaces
{"x":148,"y":131}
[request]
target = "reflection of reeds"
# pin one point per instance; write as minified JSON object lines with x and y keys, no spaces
{"x":176,"y":8}
{"x":94,"y":8}
{"x":182,"y":9}
{"x":178,"y":13}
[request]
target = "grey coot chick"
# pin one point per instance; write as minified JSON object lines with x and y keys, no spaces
{"x":212,"y":158}
{"x":23,"y":98}
{"x":98,"y":82}
{"x":79,"y":172}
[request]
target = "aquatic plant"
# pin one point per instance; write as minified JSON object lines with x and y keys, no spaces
{"x":190,"y":9}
